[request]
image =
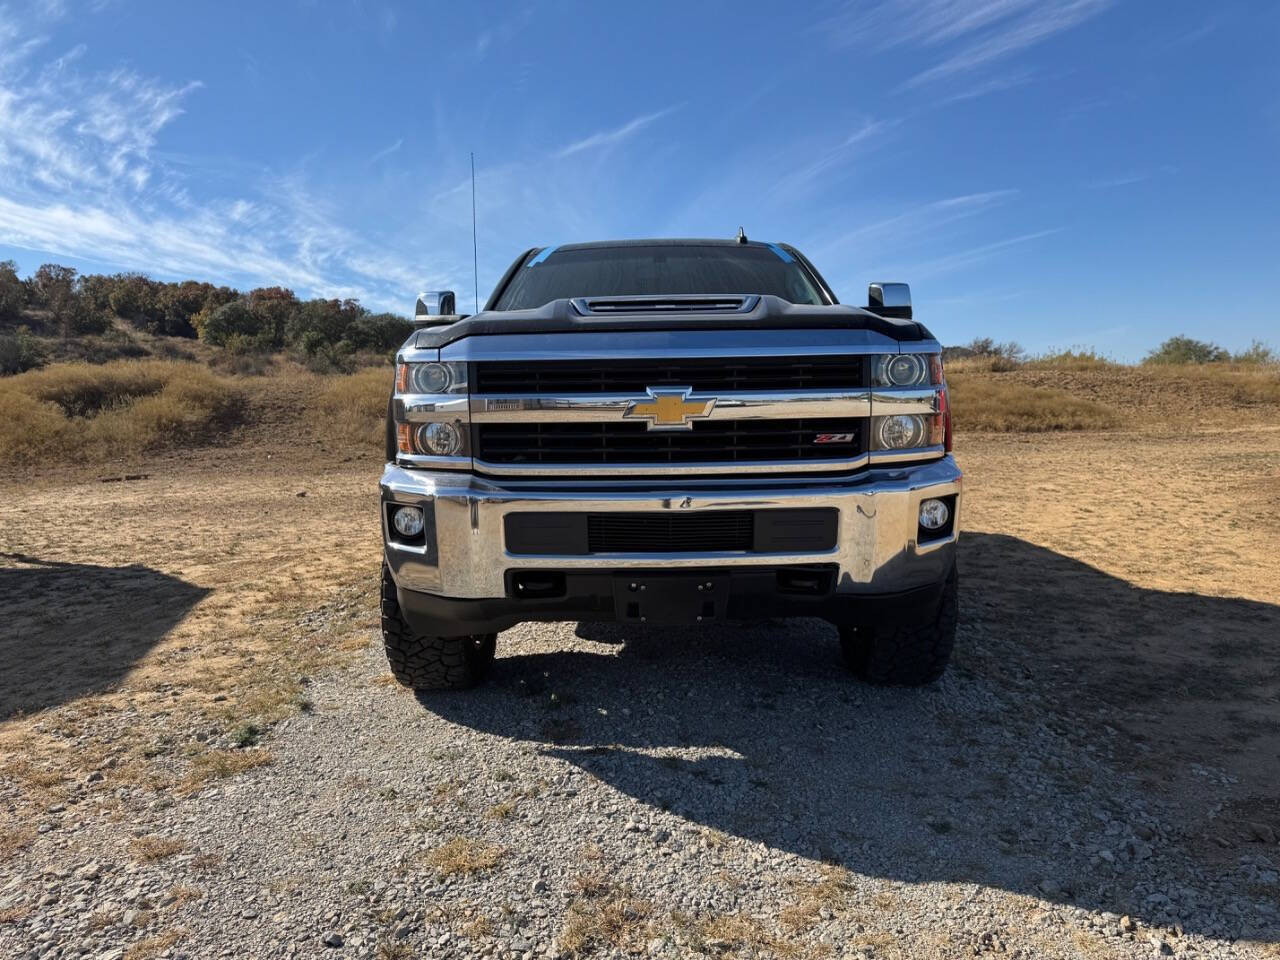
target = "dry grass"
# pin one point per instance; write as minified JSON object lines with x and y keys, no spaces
{"x":478,"y":928}
{"x":151,"y":849}
{"x":15,"y":914}
{"x":463,"y":857}
{"x":503,"y":810}
{"x":1242,"y":384}
{"x":990,"y":404}
{"x":611,"y":920}
{"x":355,"y":406}
{"x":828,"y":891}
{"x":184,"y":893}
{"x":731,"y":933}
{"x":11,"y":841}
{"x":154,"y":946}
{"x":96,"y":413}
{"x":219,"y":764}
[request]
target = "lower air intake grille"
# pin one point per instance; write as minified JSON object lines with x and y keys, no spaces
{"x":656,"y":533}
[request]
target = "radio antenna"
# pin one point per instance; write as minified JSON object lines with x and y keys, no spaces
{"x":475,"y":249}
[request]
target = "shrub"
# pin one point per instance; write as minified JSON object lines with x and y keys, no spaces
{"x":247,"y":356}
{"x":1080,"y":358}
{"x":1257,"y":354}
{"x":19,"y":351}
{"x":329,"y":357}
{"x":94,"y":413}
{"x":233,"y":319}
{"x":1186,"y":350}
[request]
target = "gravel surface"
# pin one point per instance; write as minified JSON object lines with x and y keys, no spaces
{"x":728,"y":792}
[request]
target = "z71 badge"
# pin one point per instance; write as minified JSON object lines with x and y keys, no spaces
{"x":833,"y":438}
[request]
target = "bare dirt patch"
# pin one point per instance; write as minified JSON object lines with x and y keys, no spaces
{"x":1105,"y":745}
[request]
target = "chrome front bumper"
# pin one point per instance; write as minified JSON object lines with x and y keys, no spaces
{"x":876,"y":551}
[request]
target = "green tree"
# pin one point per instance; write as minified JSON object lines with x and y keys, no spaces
{"x":275,"y":308}
{"x":323,"y":322}
{"x":13,"y":295}
{"x":378,"y":331}
{"x":136,"y":298}
{"x":1187,"y":350}
{"x":233,"y":319}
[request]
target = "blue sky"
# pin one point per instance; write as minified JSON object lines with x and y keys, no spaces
{"x":1057,"y":172}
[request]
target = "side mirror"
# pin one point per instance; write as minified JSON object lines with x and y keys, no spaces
{"x":435,"y":307}
{"x":890,"y":300}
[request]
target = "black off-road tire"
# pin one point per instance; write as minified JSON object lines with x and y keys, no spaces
{"x":430,"y":662}
{"x":902,"y":654}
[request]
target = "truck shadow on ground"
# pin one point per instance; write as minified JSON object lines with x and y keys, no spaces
{"x":1081,"y":715}
{"x":69,"y":629}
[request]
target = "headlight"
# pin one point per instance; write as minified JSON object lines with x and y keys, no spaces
{"x":900,"y":432}
{"x":440,"y":439}
{"x":901,"y":370}
{"x":431,"y":378}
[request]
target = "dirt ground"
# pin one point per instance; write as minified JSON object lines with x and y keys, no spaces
{"x":1135,"y":576}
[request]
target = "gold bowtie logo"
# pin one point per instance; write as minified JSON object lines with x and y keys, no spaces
{"x":670,"y":408}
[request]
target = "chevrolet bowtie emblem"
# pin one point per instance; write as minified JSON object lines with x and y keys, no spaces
{"x":670,"y":408}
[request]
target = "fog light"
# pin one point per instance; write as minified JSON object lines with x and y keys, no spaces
{"x":407,"y":521}
{"x":934,"y":514}
{"x":440,"y":439}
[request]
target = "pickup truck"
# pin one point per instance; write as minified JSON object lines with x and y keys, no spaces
{"x":669,"y":432}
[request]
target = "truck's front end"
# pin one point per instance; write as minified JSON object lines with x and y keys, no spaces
{"x":645,"y":447}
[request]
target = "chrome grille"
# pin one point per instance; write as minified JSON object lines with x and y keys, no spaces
{"x":636,"y":375}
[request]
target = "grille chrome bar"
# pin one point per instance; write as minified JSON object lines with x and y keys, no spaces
{"x":609,"y":407}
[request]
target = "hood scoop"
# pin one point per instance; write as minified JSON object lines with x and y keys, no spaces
{"x":608,"y":306}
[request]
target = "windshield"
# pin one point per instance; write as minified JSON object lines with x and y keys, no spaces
{"x":658,"y":270}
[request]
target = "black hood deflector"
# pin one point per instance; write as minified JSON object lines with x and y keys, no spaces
{"x":770,"y":313}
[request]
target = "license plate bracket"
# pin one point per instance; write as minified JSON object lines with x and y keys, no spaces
{"x":671,"y":598}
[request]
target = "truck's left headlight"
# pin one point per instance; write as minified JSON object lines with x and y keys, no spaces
{"x":432,"y":416}
{"x":432,"y":378}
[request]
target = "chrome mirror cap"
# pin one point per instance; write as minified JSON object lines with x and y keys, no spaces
{"x":435,"y":307}
{"x":435,"y":303}
{"x":889,"y":295}
{"x":890,"y":300}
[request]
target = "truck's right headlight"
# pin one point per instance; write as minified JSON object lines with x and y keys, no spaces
{"x":901,"y":370}
{"x":901,"y":432}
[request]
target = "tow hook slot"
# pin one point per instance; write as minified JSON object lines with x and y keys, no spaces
{"x":537,"y":585}
{"x":814,"y":583}
{"x":670,"y":599}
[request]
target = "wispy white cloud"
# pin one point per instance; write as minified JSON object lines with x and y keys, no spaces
{"x":80,"y":177}
{"x":974,"y":255}
{"x":820,"y":169}
{"x":974,"y":33}
{"x":387,"y":151}
{"x":1123,"y":180}
{"x":608,"y":138}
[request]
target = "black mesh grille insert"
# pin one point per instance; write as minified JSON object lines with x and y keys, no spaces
{"x":659,"y":533}
{"x":704,"y":375}
{"x":710,"y":441}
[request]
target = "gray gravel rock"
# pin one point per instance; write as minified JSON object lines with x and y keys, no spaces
{"x":695,"y":792}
